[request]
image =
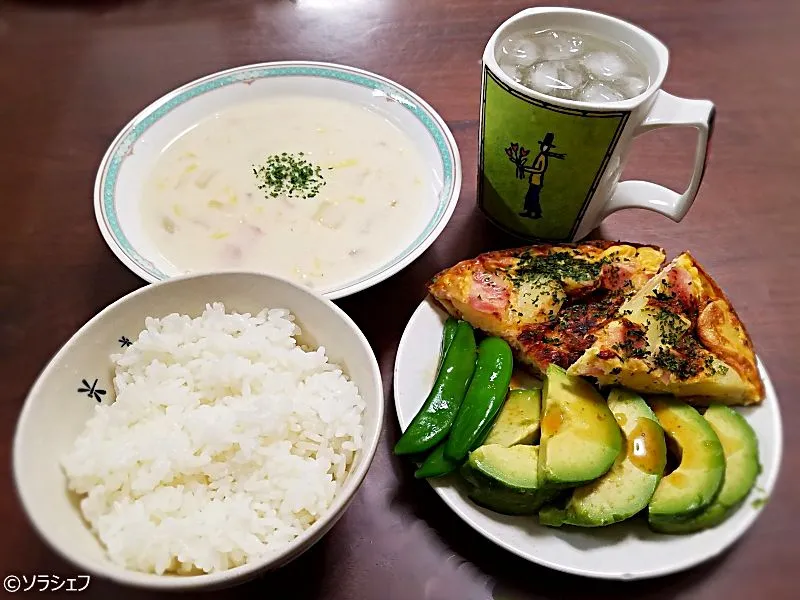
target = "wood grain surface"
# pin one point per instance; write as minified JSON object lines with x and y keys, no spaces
{"x":72,"y":73}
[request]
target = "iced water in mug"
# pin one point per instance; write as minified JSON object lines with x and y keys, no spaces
{"x":564,"y":93}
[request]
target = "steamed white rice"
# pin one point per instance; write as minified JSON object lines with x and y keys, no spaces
{"x":226,"y":441}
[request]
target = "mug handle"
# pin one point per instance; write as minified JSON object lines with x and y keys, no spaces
{"x":668,"y":111}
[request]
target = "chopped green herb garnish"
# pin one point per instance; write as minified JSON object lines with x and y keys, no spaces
{"x":714,"y":369}
{"x":671,"y":326}
{"x":627,"y":349}
{"x":557,"y":266}
{"x":662,"y":296}
{"x":687,"y":365}
{"x":633,"y":346}
{"x":675,"y":364}
{"x":289,"y":174}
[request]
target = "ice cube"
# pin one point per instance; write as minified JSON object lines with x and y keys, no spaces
{"x":519,"y":50}
{"x":510,"y":69}
{"x":606,"y":66}
{"x":630,"y":86}
{"x":597,"y":92}
{"x":572,"y":74}
{"x":544,"y":78}
{"x":559,"y":46}
{"x":558,"y":78}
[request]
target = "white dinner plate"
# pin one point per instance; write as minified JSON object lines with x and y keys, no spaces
{"x":624,"y":551}
{"x":132,"y":155}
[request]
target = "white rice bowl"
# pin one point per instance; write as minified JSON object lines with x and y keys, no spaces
{"x":226,"y":441}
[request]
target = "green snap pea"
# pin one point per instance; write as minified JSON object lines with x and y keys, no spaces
{"x":433,"y":421}
{"x":436,"y":464}
{"x":485,"y":396}
{"x":450,"y":326}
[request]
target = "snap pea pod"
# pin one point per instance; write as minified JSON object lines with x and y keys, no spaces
{"x":437,"y":464}
{"x":485,"y":396}
{"x":449,"y":332}
{"x":434,"y":419}
{"x":450,"y":326}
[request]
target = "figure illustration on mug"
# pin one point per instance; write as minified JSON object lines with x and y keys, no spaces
{"x":518,"y":155}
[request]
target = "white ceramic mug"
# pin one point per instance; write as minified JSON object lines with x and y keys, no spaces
{"x":593,"y":139}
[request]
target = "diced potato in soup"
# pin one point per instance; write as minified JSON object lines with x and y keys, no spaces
{"x":349,"y":194}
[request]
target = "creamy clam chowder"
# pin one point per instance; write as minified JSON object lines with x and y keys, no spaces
{"x":317,"y":190}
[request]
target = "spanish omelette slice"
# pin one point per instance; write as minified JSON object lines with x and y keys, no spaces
{"x":680,"y":335}
{"x":546,"y":300}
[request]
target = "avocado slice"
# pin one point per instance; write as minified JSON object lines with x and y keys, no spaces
{"x":627,"y":488}
{"x":518,"y":421}
{"x":505,"y":479}
{"x":579,"y":437}
{"x":696,"y":482}
{"x":742,"y":466}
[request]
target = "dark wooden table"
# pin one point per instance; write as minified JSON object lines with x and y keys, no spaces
{"x":72,"y":73}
